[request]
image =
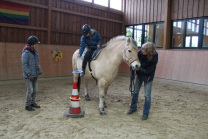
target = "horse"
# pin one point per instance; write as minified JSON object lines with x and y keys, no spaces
{"x":105,"y":68}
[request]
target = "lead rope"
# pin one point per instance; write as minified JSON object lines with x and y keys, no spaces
{"x":132,"y":77}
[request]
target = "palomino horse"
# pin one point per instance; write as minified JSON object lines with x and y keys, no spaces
{"x":106,"y":66}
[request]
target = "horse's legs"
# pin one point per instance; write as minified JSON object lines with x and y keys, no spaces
{"x":86,"y":90}
{"x":101,"y":86}
{"x":75,"y":77}
{"x":106,"y":90}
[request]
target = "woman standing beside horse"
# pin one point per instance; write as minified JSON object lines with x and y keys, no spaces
{"x":148,"y":58}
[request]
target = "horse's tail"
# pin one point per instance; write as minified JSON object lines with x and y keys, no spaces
{"x":78,"y":83}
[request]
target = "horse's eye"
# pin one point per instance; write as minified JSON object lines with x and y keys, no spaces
{"x":129,"y":51}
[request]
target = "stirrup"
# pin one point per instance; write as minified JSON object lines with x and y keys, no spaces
{"x":82,"y":74}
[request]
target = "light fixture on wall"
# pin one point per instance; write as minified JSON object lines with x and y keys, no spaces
{"x":179,"y":31}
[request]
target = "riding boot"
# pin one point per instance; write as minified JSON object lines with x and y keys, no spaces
{"x":87,"y":58}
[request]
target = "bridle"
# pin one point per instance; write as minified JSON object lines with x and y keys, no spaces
{"x":129,"y":59}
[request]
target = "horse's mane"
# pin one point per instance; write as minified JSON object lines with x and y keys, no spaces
{"x":118,"y":38}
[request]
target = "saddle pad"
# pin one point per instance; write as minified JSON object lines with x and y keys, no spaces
{"x":94,"y":55}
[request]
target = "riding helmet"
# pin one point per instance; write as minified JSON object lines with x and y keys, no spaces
{"x":85,"y":29}
{"x":32,"y":40}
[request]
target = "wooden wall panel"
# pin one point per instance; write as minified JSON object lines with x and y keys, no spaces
{"x":183,"y":9}
{"x":131,"y":12}
{"x":190,"y":8}
{"x":138,"y":13}
{"x":193,"y":67}
{"x":180,"y":9}
{"x":206,"y":8}
{"x":141,"y":11}
{"x":195,"y":8}
{"x":146,"y":11}
{"x":149,"y":11}
{"x":182,"y":65}
{"x":174,"y":9}
{"x":3,"y":62}
{"x":163,"y":10}
{"x":167,"y":69}
{"x":13,"y":56}
{"x":201,"y":8}
{"x":135,"y":12}
{"x":11,"y":68}
{"x":159,"y":11}
{"x":67,"y":19}
{"x":155,"y":10}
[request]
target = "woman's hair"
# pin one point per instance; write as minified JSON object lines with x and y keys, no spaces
{"x":150,"y":49}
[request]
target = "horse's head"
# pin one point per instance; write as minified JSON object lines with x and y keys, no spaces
{"x":130,"y":53}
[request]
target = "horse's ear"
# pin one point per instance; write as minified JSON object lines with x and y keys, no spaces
{"x":127,"y":41}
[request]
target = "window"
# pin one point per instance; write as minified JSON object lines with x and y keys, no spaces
{"x":101,"y":2}
{"x":138,"y":35}
{"x":129,"y":31}
{"x":116,"y":4}
{"x":146,"y":33}
{"x":177,"y":39}
{"x":194,"y":41}
{"x":205,"y":34}
{"x":191,"y":41}
{"x":188,"y":40}
{"x":149,"y":29}
{"x":190,"y":33}
{"x":87,"y":0}
{"x":159,"y":34}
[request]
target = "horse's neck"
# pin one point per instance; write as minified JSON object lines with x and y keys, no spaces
{"x":115,"y":53}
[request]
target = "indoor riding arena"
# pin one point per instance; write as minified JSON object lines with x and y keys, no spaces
{"x":179,"y":95}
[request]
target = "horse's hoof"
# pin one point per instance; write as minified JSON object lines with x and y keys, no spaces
{"x":102,"y":113}
{"x":87,"y":98}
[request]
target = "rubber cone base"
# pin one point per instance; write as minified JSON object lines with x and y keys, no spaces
{"x":67,"y":114}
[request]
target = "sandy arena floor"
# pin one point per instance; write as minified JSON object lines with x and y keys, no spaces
{"x":179,"y":111}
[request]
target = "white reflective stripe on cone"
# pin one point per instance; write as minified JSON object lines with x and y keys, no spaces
{"x":74,"y":92}
{"x":75,"y":104}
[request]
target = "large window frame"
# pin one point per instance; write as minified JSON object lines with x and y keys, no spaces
{"x":143,"y":32}
{"x":200,"y":30}
{"x":108,"y":4}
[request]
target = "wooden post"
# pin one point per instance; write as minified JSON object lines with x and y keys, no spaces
{"x":167,"y":25}
{"x":123,"y":31}
{"x":49,"y":21}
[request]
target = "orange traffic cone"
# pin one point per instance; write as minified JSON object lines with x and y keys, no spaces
{"x":75,"y":111}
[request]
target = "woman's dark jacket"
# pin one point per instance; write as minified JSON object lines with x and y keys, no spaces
{"x":147,"y":69}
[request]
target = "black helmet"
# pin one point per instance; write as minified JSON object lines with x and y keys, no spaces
{"x":32,"y":40}
{"x":85,"y":29}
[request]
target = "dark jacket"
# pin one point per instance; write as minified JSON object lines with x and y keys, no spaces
{"x":30,"y":62}
{"x":91,"y":42}
{"x":147,"y":69}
